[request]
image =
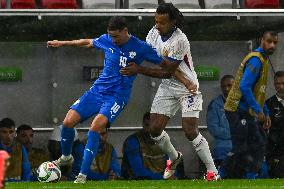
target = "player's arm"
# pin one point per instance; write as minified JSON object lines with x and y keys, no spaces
{"x":191,"y":87}
{"x":159,"y":72}
{"x":251,"y":73}
{"x":88,"y":43}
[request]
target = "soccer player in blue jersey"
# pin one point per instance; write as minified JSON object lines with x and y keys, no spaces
{"x":110,"y":92}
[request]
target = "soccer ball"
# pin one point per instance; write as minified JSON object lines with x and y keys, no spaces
{"x":48,"y":172}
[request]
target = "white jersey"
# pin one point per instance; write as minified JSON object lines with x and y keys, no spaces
{"x":177,"y":47}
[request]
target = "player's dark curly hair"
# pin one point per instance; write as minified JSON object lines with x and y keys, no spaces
{"x":173,"y":12}
{"x":117,"y":23}
{"x":7,"y":123}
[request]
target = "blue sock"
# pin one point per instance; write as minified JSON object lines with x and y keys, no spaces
{"x":67,"y":138}
{"x":251,"y":175}
{"x":221,"y":172}
{"x":90,"y":151}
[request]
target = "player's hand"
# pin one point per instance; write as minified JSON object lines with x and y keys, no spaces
{"x":261,"y":117}
{"x":267,"y":122}
{"x":192,"y":88}
{"x":130,"y":69}
{"x":54,"y":43}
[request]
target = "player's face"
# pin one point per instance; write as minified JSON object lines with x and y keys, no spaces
{"x":226,"y":86}
{"x":268,"y":43}
{"x":279,"y":85}
{"x":26,"y":137}
{"x":119,"y":37}
{"x":164,"y":24}
{"x":7,"y":136}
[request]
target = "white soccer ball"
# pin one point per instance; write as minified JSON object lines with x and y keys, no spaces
{"x":48,"y":172}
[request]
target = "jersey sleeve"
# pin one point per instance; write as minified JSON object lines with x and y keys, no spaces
{"x":151,"y":55}
{"x":151,"y":37}
{"x":99,"y":42}
{"x":250,"y":76}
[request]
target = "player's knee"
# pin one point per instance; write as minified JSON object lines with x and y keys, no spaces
{"x":100,"y":123}
{"x":191,"y":133}
{"x":155,"y":131}
{"x":71,"y":119}
{"x":190,"y":128}
{"x":69,"y":123}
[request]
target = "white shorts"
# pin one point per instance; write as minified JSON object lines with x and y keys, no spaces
{"x":169,"y":99}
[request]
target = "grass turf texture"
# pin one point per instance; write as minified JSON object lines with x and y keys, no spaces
{"x":169,"y":184}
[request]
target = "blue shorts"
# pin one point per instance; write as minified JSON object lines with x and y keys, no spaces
{"x":92,"y":103}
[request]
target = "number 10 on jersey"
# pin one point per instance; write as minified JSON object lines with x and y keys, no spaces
{"x":122,"y":61}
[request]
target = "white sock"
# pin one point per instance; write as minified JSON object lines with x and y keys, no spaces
{"x":201,"y":147}
{"x":66,"y":157}
{"x":164,"y":142}
{"x":83,"y":175}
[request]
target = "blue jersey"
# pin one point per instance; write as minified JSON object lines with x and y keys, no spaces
{"x":117,"y":57}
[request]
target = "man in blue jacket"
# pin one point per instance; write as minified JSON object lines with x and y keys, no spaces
{"x":245,"y":107}
{"x":142,"y":158}
{"x":218,"y":124}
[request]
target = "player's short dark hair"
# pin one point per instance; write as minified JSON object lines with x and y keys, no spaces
{"x":7,"y":123}
{"x":272,"y":33}
{"x":23,"y":127}
{"x":146,"y":116}
{"x":227,"y":77}
{"x":279,"y":74}
{"x":117,"y":23}
{"x":172,"y":11}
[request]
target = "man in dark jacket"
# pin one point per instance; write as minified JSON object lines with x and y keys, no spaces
{"x":275,"y":144}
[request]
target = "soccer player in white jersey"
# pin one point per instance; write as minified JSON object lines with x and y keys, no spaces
{"x":177,"y":92}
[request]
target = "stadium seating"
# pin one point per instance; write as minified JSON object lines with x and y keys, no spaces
{"x":23,"y":4}
{"x":262,"y":4}
{"x":218,"y":4}
{"x":140,"y":4}
{"x":186,"y":4}
{"x":3,"y":4}
{"x":19,"y":4}
{"x":100,"y":4}
{"x":59,"y":4}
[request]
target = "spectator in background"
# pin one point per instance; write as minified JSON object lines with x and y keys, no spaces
{"x":275,"y":144}
{"x":19,"y":169}
{"x":54,"y":148}
{"x":218,"y":124}
{"x":246,"y":111}
{"x":105,"y":165}
{"x":142,"y":158}
{"x":25,"y":135}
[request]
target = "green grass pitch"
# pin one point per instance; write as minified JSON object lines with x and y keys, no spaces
{"x":169,"y":184}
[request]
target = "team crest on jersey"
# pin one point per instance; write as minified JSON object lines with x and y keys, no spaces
{"x":165,"y":52}
{"x":132,"y":54}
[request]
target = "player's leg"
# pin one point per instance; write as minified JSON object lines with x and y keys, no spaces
{"x":191,"y":106}
{"x":72,"y":118}
{"x":109,"y":111}
{"x":99,"y":124}
{"x":163,"y":108}
{"x":157,"y":125}
{"x":82,"y":109}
